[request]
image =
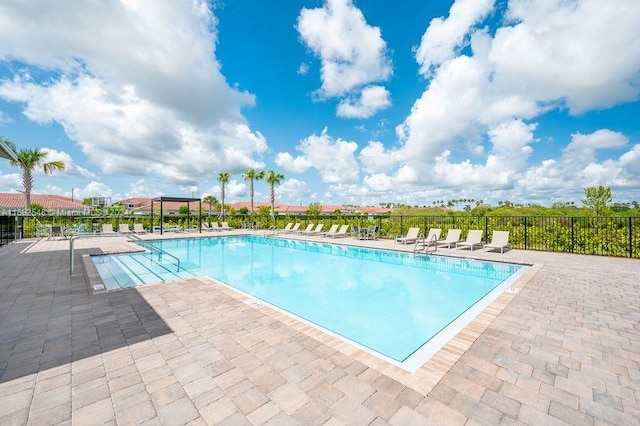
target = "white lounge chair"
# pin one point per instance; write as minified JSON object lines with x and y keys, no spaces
{"x":453,"y":237}
{"x":342,"y":232}
{"x":138,"y":228}
{"x":331,"y":230}
{"x":411,"y":237}
{"x":215,"y":226}
{"x":107,"y":228}
{"x":499,"y":240}
{"x":292,"y":230}
{"x":474,"y":238}
{"x":314,"y":231}
{"x":287,"y":227}
{"x":307,"y":229}
{"x":123,"y":228}
{"x":225,"y":226}
{"x":432,"y":238}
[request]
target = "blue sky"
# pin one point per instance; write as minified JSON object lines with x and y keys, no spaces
{"x":356,"y":102}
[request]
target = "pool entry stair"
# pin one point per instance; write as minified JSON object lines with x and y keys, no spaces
{"x":128,"y":270}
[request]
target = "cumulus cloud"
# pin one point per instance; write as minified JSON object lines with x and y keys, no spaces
{"x":70,"y":167}
{"x":580,"y":166}
{"x":630,"y":161}
{"x":443,"y":36}
{"x":10,"y":182}
{"x":560,"y":51}
{"x":333,"y":158}
{"x":292,"y":191}
{"x":143,"y":189}
{"x":94,"y":189}
{"x":371,"y":100}
{"x":352,"y":52}
{"x":297,"y":164}
{"x":485,"y":92}
{"x":233,"y":190}
{"x":160,"y":106}
{"x":375,"y":158}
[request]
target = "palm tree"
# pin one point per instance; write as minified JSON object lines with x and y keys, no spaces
{"x":251,"y":175}
{"x":28,"y":160}
{"x":224,"y":179}
{"x":273,"y":178}
{"x":211,"y":200}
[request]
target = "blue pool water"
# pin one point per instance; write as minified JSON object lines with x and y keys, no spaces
{"x":390,"y":302}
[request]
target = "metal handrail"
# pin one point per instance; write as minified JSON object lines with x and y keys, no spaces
{"x":433,"y":240}
{"x":273,"y":230}
{"x":73,"y":239}
{"x":152,"y":247}
{"x":419,"y":240}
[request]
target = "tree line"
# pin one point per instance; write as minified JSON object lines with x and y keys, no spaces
{"x":597,"y":201}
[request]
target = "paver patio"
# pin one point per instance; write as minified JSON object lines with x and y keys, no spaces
{"x":564,"y":350}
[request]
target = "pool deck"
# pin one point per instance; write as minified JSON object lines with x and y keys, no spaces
{"x":564,"y":348}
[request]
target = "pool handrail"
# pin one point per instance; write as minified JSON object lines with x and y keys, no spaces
{"x":73,"y":239}
{"x":115,"y":234}
{"x":273,"y":230}
{"x":422,"y":241}
{"x":152,"y":247}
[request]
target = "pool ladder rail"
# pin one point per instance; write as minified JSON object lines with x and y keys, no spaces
{"x":147,"y":244}
{"x":422,"y":245}
{"x":153,"y":248}
{"x":271,"y":232}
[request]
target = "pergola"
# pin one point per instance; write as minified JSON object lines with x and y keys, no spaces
{"x":176,"y":200}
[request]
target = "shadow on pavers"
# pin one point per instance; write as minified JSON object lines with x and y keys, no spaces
{"x":49,"y":319}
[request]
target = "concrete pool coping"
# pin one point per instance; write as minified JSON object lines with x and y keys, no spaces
{"x":563,"y":351}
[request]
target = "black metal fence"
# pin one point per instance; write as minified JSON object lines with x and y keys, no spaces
{"x":10,"y":229}
{"x":610,"y":236}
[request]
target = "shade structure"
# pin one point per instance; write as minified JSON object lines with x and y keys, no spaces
{"x":161,"y":200}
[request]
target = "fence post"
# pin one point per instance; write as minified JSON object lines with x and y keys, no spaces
{"x":401,"y":220}
{"x":486,"y":229}
{"x":525,"y":233}
{"x":630,"y":237}
{"x":573,"y":242}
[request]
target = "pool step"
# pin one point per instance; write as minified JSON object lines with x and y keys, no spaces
{"x":141,"y":269}
{"x":161,"y":270}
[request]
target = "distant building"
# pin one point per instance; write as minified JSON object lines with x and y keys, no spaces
{"x":100,"y":202}
{"x":15,"y":204}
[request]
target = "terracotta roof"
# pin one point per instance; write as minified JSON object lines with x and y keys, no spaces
{"x":51,"y":202}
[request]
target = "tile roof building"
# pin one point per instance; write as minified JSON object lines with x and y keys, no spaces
{"x":55,"y":204}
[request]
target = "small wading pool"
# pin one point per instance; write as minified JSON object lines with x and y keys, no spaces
{"x":401,"y":307}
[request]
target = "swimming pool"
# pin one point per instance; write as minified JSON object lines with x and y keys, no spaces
{"x":389,"y":302}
